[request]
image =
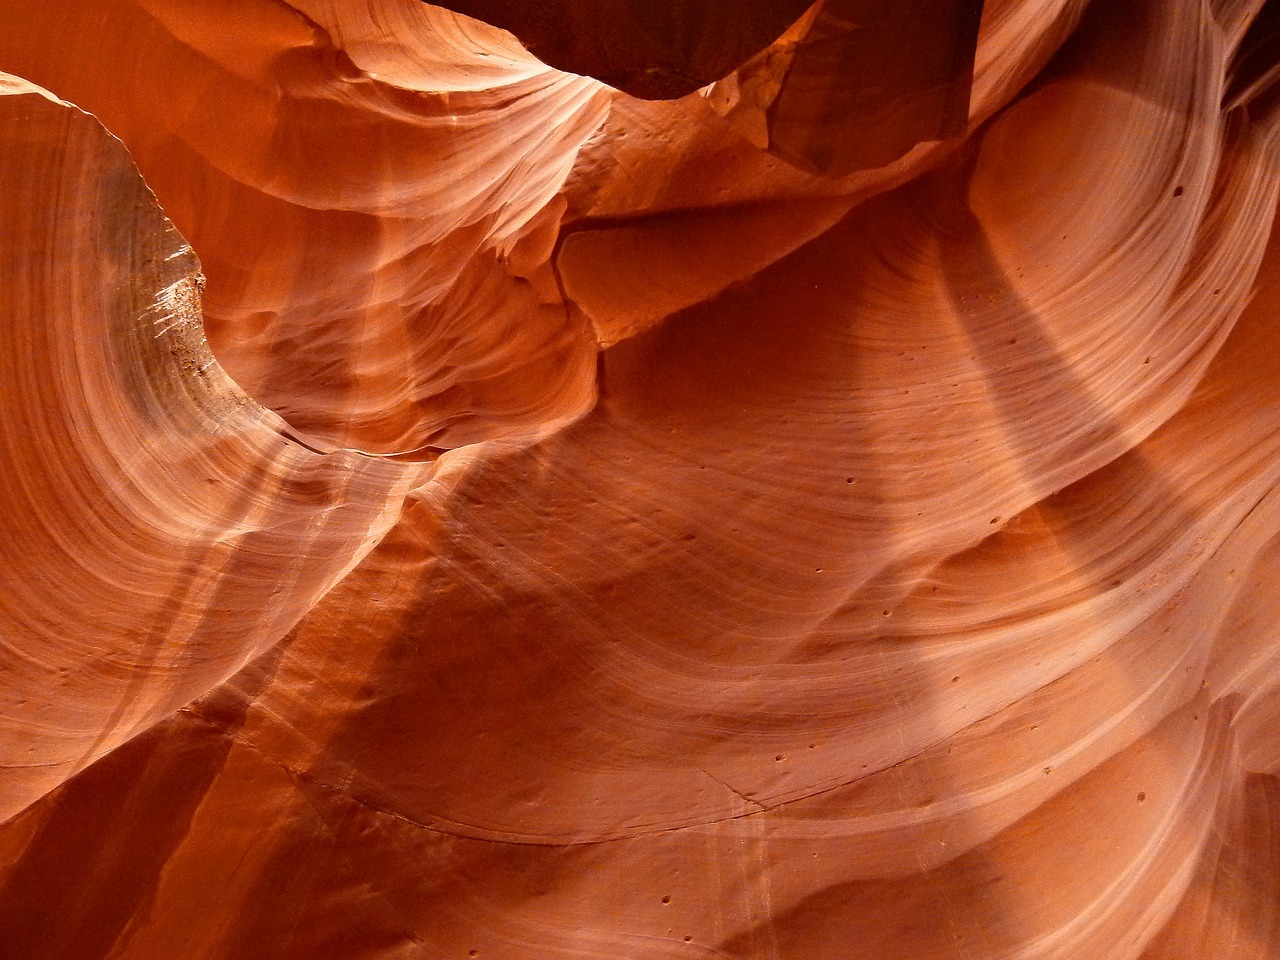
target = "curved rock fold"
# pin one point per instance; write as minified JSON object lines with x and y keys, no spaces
{"x":825,"y":505}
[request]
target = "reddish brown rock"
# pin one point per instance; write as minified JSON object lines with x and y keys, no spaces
{"x":660,"y":49}
{"x":160,"y":528}
{"x":858,"y":83}
{"x":614,"y":537}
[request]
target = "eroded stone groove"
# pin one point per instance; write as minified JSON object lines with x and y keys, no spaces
{"x":453,"y":507}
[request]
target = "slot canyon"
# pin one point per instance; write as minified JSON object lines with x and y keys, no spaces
{"x":640,"y":480}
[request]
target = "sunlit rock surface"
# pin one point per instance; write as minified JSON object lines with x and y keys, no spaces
{"x":834,"y":513}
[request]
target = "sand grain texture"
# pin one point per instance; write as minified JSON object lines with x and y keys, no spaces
{"x":758,"y":482}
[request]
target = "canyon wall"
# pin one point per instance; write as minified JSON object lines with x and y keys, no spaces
{"x":658,"y":481}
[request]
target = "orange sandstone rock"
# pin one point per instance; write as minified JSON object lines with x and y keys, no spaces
{"x":829,"y":514}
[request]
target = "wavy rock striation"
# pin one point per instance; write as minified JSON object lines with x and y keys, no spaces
{"x":832,"y":513}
